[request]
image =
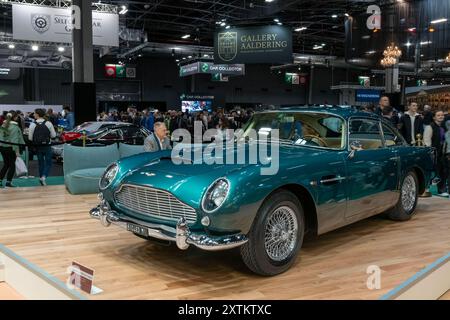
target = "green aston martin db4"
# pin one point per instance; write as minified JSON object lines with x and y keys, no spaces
{"x":334,"y":166}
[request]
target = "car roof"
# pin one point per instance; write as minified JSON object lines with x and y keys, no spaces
{"x":342,"y":111}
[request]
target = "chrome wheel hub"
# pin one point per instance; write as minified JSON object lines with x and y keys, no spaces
{"x":281,"y":233}
{"x":409,"y":191}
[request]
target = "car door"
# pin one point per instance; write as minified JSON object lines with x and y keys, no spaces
{"x":371,"y":169}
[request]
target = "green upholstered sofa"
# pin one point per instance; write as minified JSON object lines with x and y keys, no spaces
{"x":84,"y":166}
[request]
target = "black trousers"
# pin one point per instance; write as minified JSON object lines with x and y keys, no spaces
{"x":9,"y":163}
{"x":442,"y":171}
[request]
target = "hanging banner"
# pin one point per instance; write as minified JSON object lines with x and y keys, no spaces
{"x":211,"y":68}
{"x":267,"y":44}
{"x":41,"y":23}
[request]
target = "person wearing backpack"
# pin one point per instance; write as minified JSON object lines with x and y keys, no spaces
{"x":40,"y":134}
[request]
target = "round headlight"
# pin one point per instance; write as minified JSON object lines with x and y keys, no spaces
{"x":215,"y":195}
{"x":108,"y":176}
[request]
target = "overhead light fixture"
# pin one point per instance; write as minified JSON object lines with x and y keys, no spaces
{"x":11,"y":46}
{"x":61,"y":49}
{"x":334,"y":16}
{"x":34,"y":47}
{"x":123,"y":10}
{"x":276,"y":20}
{"x":408,"y":44}
{"x":424,"y":43}
{"x":447,"y":59}
{"x":431,"y":29}
{"x":439,"y":21}
{"x":391,"y":55}
{"x":177,"y":60}
{"x":270,"y":1}
{"x":279,"y":23}
{"x":139,"y":55}
{"x":347,"y":15}
{"x":412,"y":29}
{"x":186,"y":36}
{"x":189,"y":57}
{"x":223,"y":24}
{"x":227,"y":27}
{"x":300,"y":29}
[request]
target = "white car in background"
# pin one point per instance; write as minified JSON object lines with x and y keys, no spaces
{"x":52,"y":61}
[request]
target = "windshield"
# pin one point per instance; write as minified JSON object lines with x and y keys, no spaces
{"x":299,"y":128}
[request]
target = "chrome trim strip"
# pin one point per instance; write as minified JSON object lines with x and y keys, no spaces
{"x":337,"y":179}
{"x":181,"y":235}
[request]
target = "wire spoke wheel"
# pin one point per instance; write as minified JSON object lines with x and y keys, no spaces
{"x":409,"y":191}
{"x":281,"y":233}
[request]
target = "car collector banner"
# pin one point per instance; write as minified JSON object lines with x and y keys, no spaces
{"x":40,"y":23}
{"x":267,"y":44}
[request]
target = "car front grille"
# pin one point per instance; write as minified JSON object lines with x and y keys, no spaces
{"x":154,"y":203}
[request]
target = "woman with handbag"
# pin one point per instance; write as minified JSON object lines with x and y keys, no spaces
{"x":10,"y":132}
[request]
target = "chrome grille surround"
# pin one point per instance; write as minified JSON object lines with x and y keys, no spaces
{"x":154,"y":203}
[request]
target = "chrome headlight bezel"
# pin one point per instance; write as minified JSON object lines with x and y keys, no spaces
{"x":108,"y":176}
{"x":207,"y":197}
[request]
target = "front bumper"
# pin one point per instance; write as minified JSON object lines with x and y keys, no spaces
{"x":181,"y":235}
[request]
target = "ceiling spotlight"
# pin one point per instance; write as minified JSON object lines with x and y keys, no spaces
{"x":301,"y":29}
{"x":223,"y":24}
{"x":334,"y":16}
{"x":408,"y":44}
{"x":123,"y":10}
{"x":227,"y":27}
{"x":61,"y":49}
{"x":347,"y":15}
{"x":11,"y":46}
{"x":177,"y":60}
{"x":276,"y":20}
{"x":34,"y":47}
{"x":279,"y":23}
{"x":269,"y":1}
{"x":186,"y":36}
{"x":439,"y":21}
{"x":139,"y":55}
{"x":189,"y":57}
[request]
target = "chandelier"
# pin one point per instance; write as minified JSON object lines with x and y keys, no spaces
{"x":391,"y":55}
{"x":447,"y":59}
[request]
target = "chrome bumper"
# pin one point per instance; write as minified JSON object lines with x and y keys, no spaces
{"x":181,"y":235}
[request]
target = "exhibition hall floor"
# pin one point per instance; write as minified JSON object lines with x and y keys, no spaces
{"x":51,"y":228}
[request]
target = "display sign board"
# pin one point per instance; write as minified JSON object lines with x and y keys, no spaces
{"x":266,"y":44}
{"x":9,"y":73}
{"x":42,"y":23}
{"x":368,"y":95}
{"x":211,"y":68}
{"x":295,"y":78}
{"x":364,"y":81}
{"x":119,"y":71}
{"x":219,"y":77}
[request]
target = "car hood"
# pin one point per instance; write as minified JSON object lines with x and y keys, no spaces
{"x":188,"y":181}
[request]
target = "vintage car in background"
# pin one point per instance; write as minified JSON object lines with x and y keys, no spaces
{"x":100,"y":134}
{"x":336,"y":166}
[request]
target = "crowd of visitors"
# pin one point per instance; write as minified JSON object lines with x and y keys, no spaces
{"x":423,"y":126}
{"x":428,"y":127}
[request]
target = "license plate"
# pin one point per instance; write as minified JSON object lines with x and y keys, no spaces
{"x":137,"y":229}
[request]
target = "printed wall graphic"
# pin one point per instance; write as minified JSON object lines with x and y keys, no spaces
{"x":119,"y":71}
{"x":44,"y":58}
{"x":42,"y":23}
{"x":266,"y":44}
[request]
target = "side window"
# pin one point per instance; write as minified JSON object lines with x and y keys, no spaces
{"x":391,"y":138}
{"x":366,"y":133}
{"x":112,"y":135}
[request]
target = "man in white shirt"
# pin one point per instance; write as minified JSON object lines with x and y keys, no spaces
{"x":40,"y":134}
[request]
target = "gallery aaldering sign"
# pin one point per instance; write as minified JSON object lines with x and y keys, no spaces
{"x":266,"y":44}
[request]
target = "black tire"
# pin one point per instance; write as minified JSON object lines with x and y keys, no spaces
{"x":254,"y":253}
{"x":405,"y":210}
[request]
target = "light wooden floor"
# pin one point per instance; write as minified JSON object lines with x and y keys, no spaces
{"x":51,"y":228}
{"x":7,"y":293}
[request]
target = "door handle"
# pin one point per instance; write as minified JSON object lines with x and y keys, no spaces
{"x":332,"y":179}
